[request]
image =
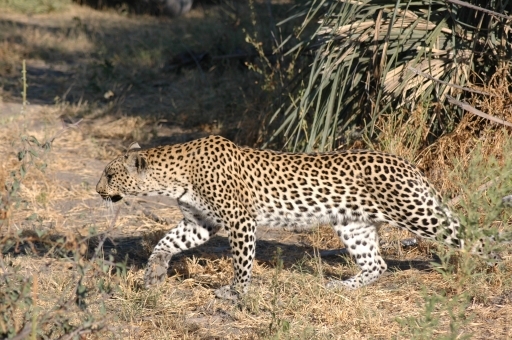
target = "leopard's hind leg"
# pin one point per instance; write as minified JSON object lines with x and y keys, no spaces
{"x":362,"y":242}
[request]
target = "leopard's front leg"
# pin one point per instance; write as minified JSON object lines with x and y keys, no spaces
{"x":242,"y":239}
{"x":187,"y":234}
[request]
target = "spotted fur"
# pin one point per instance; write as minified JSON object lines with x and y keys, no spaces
{"x":220,"y":185}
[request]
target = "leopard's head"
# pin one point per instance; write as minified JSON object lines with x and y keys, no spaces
{"x":123,"y":176}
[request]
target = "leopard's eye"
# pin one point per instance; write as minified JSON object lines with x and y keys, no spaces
{"x":109,"y":177}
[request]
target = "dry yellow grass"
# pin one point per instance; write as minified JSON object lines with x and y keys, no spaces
{"x":185,"y":307}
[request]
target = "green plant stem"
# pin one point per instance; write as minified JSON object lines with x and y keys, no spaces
{"x":24,"y":93}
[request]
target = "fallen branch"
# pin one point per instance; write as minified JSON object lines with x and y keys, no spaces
{"x":465,"y":4}
{"x":428,"y":76}
{"x":477,"y":112}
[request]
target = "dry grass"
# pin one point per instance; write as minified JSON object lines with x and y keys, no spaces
{"x":287,"y":299}
{"x":288,"y":302}
{"x":184,"y":307}
{"x":406,"y":134}
{"x":472,"y":131}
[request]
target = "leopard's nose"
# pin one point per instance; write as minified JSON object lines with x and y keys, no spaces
{"x":101,"y":186}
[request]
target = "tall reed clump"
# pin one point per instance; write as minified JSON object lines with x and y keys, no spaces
{"x":370,"y":57}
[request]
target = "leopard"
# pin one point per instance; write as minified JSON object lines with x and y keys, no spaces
{"x":219,"y":185}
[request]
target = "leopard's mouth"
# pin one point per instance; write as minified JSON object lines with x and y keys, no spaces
{"x":114,"y":198}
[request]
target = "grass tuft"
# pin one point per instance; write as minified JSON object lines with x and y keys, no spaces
{"x":35,"y":6}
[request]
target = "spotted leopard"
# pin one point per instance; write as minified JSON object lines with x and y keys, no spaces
{"x":219,"y":185}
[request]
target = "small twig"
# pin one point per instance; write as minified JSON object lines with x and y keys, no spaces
{"x":477,"y":112}
{"x":67,"y":91}
{"x":61,"y":131}
{"x":106,"y":234}
{"x":2,"y":264}
{"x":485,"y":186}
{"x":83,"y":330}
{"x":416,"y":71}
{"x":112,"y":224}
{"x":24,"y":93}
{"x":465,"y":4}
{"x":24,"y":332}
{"x":197,"y":62}
{"x":271,"y":19}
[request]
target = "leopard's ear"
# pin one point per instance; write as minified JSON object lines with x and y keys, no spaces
{"x":135,"y":163}
{"x":134,"y":145}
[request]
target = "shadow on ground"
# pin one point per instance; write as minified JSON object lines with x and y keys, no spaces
{"x":115,"y":65}
{"x":134,"y":251}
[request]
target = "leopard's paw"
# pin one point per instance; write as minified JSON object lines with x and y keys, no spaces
{"x":156,"y":271}
{"x":227,"y":293}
